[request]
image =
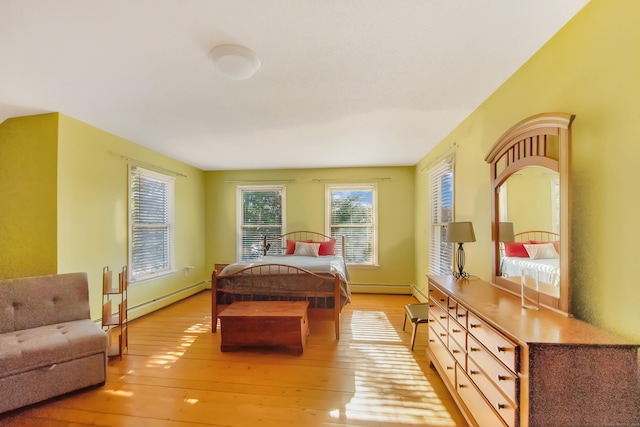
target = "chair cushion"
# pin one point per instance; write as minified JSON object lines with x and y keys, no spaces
{"x":417,"y":312}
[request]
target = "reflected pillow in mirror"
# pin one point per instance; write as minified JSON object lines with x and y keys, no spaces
{"x":515,"y":249}
{"x":541,"y":251}
{"x":307,"y":249}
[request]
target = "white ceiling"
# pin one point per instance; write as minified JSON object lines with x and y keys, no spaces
{"x":342,"y":82}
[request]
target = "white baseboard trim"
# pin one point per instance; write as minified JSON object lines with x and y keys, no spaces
{"x":395,"y":289}
{"x":165,"y":300}
{"x":421,"y":295}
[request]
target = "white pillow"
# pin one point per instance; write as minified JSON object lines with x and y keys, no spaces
{"x":541,"y":250}
{"x":306,"y":249}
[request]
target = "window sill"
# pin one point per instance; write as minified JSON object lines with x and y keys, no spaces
{"x":150,"y":277}
{"x":363,"y":266}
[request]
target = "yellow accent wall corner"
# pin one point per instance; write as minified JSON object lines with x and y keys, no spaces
{"x":28,"y":177}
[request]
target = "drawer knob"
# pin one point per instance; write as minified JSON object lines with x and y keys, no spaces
{"x":462,"y":385}
{"x":460,"y":314}
{"x":443,"y":335}
{"x":432,"y":340}
{"x":472,"y":372}
{"x":502,"y":349}
{"x":452,"y":307}
{"x":503,"y":378}
{"x":455,"y":351}
{"x":443,"y":317}
{"x":475,"y":349}
{"x":456,"y":331}
{"x":474,"y":325}
{"x":502,"y":406}
{"x":450,"y":368}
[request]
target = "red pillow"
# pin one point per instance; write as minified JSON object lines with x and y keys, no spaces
{"x":515,"y":249}
{"x":556,"y":245}
{"x":291,"y":246}
{"x":327,"y":248}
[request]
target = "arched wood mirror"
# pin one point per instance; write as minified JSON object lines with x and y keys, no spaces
{"x":531,"y":201}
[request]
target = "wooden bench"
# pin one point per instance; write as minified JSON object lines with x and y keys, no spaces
{"x":282,"y":324}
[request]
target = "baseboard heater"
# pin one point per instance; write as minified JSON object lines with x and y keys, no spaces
{"x":162,"y":301}
{"x":420,"y":295}
{"x":380,"y":288}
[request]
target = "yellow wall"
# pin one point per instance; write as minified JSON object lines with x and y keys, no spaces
{"x":590,"y":68}
{"x":529,"y":197}
{"x":28,"y":150}
{"x":92,"y":211}
{"x":305,"y":199}
{"x":64,"y":207}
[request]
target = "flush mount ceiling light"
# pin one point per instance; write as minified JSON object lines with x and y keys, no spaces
{"x":234,"y":61}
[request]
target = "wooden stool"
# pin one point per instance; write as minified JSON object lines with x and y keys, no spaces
{"x":417,"y":313}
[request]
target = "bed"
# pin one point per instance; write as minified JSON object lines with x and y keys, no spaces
{"x":296,"y":266}
{"x":533,"y":255}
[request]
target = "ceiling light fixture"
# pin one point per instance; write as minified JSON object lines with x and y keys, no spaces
{"x":234,"y":61}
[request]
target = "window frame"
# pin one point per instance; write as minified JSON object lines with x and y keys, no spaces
{"x":240,"y":211}
{"x":373,"y":187}
{"x":441,"y":253}
{"x":169,"y":225}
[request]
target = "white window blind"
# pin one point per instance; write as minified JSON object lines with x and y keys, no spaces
{"x":151,"y":223}
{"x":352,"y":213}
{"x":441,"y":197}
{"x":261,"y":213}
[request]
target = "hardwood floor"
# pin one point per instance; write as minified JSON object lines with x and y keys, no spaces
{"x":174,"y":374}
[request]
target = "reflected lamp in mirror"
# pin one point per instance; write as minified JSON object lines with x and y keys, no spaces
{"x":505,"y":232}
{"x":460,"y":232}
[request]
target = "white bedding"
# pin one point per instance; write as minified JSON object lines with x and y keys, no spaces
{"x":322,"y":264}
{"x":547,"y":269}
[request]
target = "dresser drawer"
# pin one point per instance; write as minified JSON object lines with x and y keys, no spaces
{"x":462,"y":315}
{"x":438,"y":313}
{"x":458,"y":333}
{"x":438,"y":296}
{"x":443,"y":358}
{"x":505,"y":350}
{"x":438,"y":329}
{"x":505,"y":407}
{"x":482,"y":411}
{"x":495,"y":370}
{"x":458,"y":353}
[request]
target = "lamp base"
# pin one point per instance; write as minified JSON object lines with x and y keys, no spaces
{"x":460,"y":274}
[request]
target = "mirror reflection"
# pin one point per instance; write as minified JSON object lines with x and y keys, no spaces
{"x":529,"y":232}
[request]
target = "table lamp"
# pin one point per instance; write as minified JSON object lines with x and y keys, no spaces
{"x":460,"y":232}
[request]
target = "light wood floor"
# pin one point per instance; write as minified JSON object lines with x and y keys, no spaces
{"x":175,"y":375}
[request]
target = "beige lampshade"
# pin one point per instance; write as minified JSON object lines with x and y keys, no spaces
{"x":460,"y":232}
{"x":505,"y":232}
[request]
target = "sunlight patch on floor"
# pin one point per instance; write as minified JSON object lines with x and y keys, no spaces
{"x":389,"y":384}
{"x":168,"y":358}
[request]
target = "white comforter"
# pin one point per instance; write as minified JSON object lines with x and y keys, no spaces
{"x":547,"y":270}
{"x":319,"y":265}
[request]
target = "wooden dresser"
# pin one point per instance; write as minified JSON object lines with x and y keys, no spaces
{"x":509,"y":366}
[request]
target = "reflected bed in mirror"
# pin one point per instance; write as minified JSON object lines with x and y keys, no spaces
{"x":533,"y":257}
{"x":530,"y":170}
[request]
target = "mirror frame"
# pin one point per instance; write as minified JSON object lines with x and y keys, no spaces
{"x":525,"y":144}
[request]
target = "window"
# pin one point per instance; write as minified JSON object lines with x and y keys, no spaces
{"x":352,"y":212}
{"x":441,"y":196}
{"x":260,"y":213}
{"x":150,"y":224}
